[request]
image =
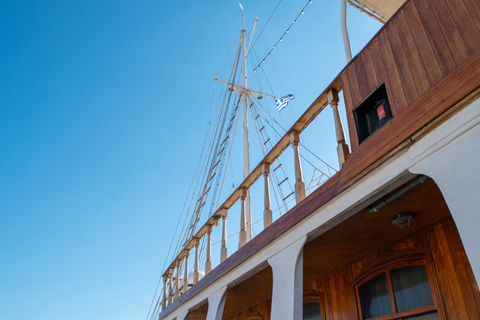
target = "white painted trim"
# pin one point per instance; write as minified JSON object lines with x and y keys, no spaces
{"x":216,"y":303}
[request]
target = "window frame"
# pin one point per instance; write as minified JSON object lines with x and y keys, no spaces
{"x":387,"y":268}
{"x":310,"y":296}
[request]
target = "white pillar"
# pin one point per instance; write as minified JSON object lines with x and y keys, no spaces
{"x":208,"y":263}
{"x":182,"y":316}
{"x":455,"y":169}
{"x":287,"y":295}
{"x":195,"y":272}
{"x":342,"y":147}
{"x":243,"y":218}
{"x":216,"y":304}
{"x":299,"y":185}
{"x":223,"y":252}
{"x":267,"y":212}
{"x":185,"y":277}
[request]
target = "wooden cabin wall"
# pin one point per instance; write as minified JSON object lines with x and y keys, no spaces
{"x":457,"y":288}
{"x":260,"y":311}
{"x":424,"y":42}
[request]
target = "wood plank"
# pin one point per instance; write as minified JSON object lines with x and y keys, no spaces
{"x":457,"y":252}
{"x":432,"y":67}
{"x":474,"y":9}
{"x":353,"y":84}
{"x":451,"y":32}
{"x":391,"y":68}
{"x":333,"y":292}
{"x":435,"y":35}
{"x":465,"y":24}
{"x":373,"y":83}
{"x":442,"y":277}
{"x":415,"y":61}
{"x":451,"y":271}
{"x":362,"y":77}
{"x":381,"y":72}
{"x":401,"y":62}
{"x":352,"y":132}
{"x":460,"y":83}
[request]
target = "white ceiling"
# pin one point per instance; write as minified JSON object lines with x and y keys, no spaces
{"x":383,"y":8}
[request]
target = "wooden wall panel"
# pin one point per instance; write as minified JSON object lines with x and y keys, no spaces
{"x":465,"y":24}
{"x":411,"y":51}
{"x":435,"y":36}
{"x":450,"y":30}
{"x":402,"y":65}
{"x":474,"y":10}
{"x":348,"y":108}
{"x":425,"y":50}
{"x":457,"y":292}
{"x":362,"y":78}
{"x":399,"y":100}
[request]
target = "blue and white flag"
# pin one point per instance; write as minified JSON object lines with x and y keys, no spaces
{"x":283,"y":101}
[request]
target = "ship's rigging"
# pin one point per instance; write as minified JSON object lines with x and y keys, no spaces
{"x":205,"y":193}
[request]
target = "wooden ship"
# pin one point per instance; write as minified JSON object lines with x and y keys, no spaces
{"x":394,"y":233}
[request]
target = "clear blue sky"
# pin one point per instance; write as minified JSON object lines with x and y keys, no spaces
{"x":103,"y":107}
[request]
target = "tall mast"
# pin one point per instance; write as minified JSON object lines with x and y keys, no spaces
{"x":246,"y":148}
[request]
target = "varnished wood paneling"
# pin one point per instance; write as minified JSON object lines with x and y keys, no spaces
{"x":474,"y":10}
{"x":465,"y":24}
{"x":362,"y":78}
{"x":416,"y":65}
{"x":425,"y":50}
{"x":449,"y":91}
{"x":402,"y":65}
{"x":457,"y":291}
{"x":380,"y":71}
{"x":353,"y":84}
{"x":435,"y":36}
{"x":348,"y":109}
{"x":451,"y":32}
{"x":373,"y":83}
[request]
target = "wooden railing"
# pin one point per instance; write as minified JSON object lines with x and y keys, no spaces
{"x":172,"y":275}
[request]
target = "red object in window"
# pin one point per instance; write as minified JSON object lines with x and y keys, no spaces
{"x":381,"y":111}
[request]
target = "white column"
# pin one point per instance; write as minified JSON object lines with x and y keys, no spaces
{"x":195,"y":272}
{"x":185,"y":277}
{"x":287,"y":295}
{"x":182,"y":316}
{"x":342,"y":147}
{"x":208,"y":263}
{"x":216,"y":304}
{"x":243,"y":218}
{"x":223,"y":252}
{"x":177,"y":281}
{"x":299,"y":185}
{"x":267,"y":212}
{"x":454,"y":166}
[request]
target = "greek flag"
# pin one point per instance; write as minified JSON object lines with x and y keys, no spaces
{"x":283,"y":101}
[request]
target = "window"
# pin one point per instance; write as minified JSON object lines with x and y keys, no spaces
{"x":372,"y":113}
{"x":399,"y":291}
{"x":313,"y":305}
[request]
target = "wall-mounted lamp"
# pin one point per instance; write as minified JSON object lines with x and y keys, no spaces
{"x":404,"y":220}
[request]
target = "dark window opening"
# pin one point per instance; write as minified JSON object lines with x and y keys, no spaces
{"x":372,"y":113}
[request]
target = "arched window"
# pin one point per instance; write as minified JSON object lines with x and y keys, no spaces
{"x":402,"y":290}
{"x":313,"y":305}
